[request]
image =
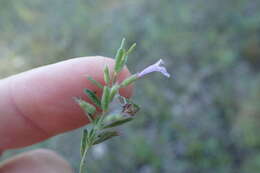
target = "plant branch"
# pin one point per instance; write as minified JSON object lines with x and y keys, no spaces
{"x":82,"y":167}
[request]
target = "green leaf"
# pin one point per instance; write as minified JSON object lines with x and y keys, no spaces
{"x":123,"y":61}
{"x":93,"y":81}
{"x":112,"y":117}
{"x":121,"y":52}
{"x":131,"y":49}
{"x":103,"y":136}
{"x":129,"y":81}
{"x":91,"y":136}
{"x":118,"y":122}
{"x":106,"y":75}
{"x":83,"y":144}
{"x":105,"y":98}
{"x":113,"y":92}
{"x":98,"y":122}
{"x":93,"y":97}
{"x":122,"y":56}
{"x":125,"y":57}
{"x":88,"y":108}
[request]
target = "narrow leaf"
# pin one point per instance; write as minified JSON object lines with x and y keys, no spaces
{"x":112,"y":117}
{"x":106,"y":75}
{"x":93,"y":97}
{"x":98,"y":121}
{"x":103,"y":136}
{"x":122,"y":43}
{"x":124,"y":58}
{"x":93,"y":81}
{"x":121,"y":52}
{"x":118,"y":122}
{"x":91,"y":136}
{"x":129,"y":80}
{"x":113,"y":92}
{"x":122,"y":62}
{"x":131,"y":49}
{"x":105,"y":98}
{"x":118,"y":64}
{"x":88,"y":108}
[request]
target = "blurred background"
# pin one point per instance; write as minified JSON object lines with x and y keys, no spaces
{"x":204,"y":119}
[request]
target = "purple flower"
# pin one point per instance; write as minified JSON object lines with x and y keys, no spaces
{"x":157,"y":67}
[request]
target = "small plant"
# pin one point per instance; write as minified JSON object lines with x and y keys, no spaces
{"x":102,"y":120}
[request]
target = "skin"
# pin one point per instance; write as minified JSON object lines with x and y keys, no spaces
{"x":38,"y":104}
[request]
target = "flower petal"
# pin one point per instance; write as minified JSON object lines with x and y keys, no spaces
{"x":157,"y":67}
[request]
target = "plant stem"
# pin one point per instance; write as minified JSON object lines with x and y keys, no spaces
{"x":82,"y":162}
{"x":114,"y":78}
{"x":96,"y":128}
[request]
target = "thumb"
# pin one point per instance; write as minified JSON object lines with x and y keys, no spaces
{"x":37,"y":161}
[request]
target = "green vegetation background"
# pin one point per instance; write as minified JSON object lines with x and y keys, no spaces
{"x":204,"y":119}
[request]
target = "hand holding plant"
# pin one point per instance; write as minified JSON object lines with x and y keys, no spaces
{"x":102,"y":119}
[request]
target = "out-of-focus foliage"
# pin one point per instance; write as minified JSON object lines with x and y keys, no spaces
{"x":205,"y":119}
